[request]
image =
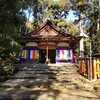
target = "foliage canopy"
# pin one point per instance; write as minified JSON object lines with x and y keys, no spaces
{"x":13,"y":21}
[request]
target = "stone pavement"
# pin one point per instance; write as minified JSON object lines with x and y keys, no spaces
{"x":48,"y":82}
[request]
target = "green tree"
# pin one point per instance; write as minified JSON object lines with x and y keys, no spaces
{"x":12,"y":24}
{"x":56,"y":11}
{"x":89,"y":11}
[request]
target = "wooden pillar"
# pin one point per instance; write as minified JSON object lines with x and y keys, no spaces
{"x":94,"y":65}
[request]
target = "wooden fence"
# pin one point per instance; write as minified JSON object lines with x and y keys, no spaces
{"x":84,"y":68}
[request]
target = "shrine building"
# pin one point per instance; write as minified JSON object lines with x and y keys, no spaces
{"x":48,"y":43}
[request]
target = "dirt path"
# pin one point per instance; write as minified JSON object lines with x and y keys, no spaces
{"x":49,"y":82}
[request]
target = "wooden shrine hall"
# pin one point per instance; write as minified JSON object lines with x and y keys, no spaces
{"x":48,"y":44}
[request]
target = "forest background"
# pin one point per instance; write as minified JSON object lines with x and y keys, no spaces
{"x":14,"y":22}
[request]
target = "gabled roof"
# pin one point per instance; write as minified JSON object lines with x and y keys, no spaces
{"x":47,"y":29}
{"x":48,"y":32}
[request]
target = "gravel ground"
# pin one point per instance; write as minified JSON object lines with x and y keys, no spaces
{"x":49,"y":82}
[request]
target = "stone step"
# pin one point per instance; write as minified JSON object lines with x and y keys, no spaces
{"x":41,"y":66}
{"x":47,"y":69}
{"x":45,"y":77}
{"x":38,"y":83}
{"x":40,"y":77}
{"x":46,"y":72}
{"x":34,"y":80}
{"x":30,"y":69}
{"x":38,"y":73}
{"x":26,"y":83}
{"x":33,"y":77}
{"x":44,"y":66}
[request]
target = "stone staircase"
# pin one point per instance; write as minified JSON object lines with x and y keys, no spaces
{"x":43,"y":82}
{"x":41,"y":75}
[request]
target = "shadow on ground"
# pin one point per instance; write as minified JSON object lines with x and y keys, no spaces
{"x":46,"y":82}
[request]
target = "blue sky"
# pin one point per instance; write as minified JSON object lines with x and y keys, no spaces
{"x":71,"y":17}
{"x":56,"y":0}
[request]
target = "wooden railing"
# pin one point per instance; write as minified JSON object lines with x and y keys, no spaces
{"x":84,"y":68}
{"x":96,"y":65}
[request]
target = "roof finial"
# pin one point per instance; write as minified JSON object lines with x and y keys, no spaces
{"x":47,"y":19}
